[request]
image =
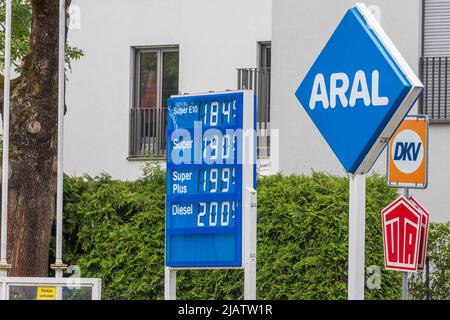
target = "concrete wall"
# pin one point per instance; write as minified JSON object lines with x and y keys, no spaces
{"x":215,"y":37}
{"x":300,"y":30}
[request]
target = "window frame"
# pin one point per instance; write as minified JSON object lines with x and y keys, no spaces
{"x":136,"y":74}
{"x":264,"y":65}
{"x":135,"y":94}
{"x":262,"y":45}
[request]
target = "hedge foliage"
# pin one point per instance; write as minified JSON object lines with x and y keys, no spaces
{"x":115,"y":230}
{"x":439,"y":256}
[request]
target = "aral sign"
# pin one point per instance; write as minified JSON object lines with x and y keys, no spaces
{"x":358,"y":90}
{"x":345,"y":93}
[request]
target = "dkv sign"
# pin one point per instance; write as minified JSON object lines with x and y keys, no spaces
{"x":407,"y":151}
{"x":405,"y":235}
{"x":408,"y":154}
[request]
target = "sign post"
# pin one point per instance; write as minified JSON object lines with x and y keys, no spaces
{"x":170,"y":284}
{"x":407,"y":167}
{"x":356,"y":236}
{"x":4,"y":266}
{"x":357,"y":92}
{"x":250,"y":247}
{"x":211,"y":176}
{"x":405,"y":273}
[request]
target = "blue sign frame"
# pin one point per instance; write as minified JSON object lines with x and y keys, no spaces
{"x":206,"y":178}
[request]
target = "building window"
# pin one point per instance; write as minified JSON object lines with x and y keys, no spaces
{"x":155,"y":79}
{"x":258,"y":79}
{"x":435,"y":61}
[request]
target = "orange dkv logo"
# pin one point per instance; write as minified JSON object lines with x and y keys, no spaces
{"x":408,"y":154}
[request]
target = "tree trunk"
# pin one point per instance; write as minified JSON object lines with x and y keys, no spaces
{"x":33,"y":147}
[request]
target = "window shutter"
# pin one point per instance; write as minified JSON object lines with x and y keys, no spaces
{"x":436,"y":28}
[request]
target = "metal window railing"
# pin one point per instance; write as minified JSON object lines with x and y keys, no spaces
{"x":435,"y":102}
{"x":258,"y":79}
{"x":147,"y":132}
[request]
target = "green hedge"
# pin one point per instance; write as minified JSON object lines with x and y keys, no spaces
{"x":115,"y":230}
{"x":439,"y":255}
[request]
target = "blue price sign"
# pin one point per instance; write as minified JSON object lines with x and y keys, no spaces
{"x":210,"y":161}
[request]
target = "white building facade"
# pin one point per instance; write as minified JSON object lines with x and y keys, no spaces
{"x":138,"y":53}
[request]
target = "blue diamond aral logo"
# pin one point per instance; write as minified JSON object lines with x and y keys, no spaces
{"x":357,"y":91}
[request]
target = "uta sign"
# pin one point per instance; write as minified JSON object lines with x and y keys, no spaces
{"x":405,"y":235}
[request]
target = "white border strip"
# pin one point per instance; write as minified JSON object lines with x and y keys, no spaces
{"x":388,"y":44}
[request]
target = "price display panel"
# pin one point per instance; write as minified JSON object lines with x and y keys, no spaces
{"x":210,"y":161}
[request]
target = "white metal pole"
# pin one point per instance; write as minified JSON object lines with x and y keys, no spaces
{"x":250,"y":244}
{"x":170,"y":280}
{"x":356,"y":238}
{"x":170,"y":284}
{"x":59,"y":265}
{"x":405,"y":273}
{"x":61,"y":93}
{"x":5,"y":161}
{"x":3,"y":287}
{"x":97,"y":290}
{"x":405,"y":286}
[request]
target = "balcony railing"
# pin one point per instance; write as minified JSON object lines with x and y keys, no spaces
{"x":435,"y":102}
{"x":258,"y":79}
{"x":147,"y":132}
